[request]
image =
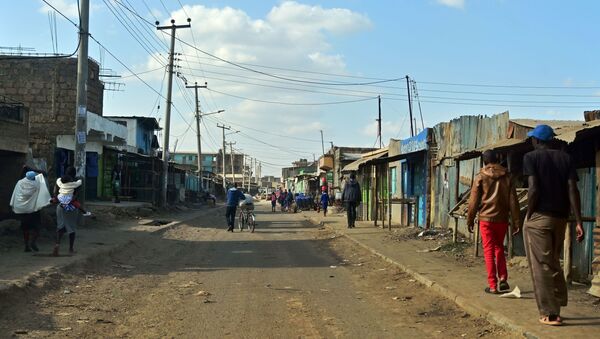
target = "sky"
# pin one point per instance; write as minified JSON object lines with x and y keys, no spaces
{"x":285,"y":70}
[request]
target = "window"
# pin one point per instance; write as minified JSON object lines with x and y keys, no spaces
{"x":393,"y":180}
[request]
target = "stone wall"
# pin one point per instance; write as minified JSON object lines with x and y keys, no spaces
{"x":47,"y":88}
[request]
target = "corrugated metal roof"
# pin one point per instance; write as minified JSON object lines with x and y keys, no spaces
{"x":353,"y":166}
{"x":555,"y":124}
{"x":504,"y":143}
{"x":569,"y":134}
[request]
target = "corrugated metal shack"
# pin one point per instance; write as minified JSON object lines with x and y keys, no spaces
{"x":582,"y":141}
{"x":451,"y":178}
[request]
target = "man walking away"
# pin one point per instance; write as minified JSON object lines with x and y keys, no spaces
{"x":351,"y":196}
{"x":552,"y":190}
{"x":324,"y":202}
{"x":233,"y":198}
{"x":494,"y":196}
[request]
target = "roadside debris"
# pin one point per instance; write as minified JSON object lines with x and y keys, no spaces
{"x":427,"y":250}
{"x":202,"y":293}
{"x":516,"y":293}
{"x":123,"y":266}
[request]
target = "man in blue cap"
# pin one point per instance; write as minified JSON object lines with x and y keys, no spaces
{"x":552,"y":192}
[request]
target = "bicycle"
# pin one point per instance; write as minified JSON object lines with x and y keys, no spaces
{"x":247,"y":219}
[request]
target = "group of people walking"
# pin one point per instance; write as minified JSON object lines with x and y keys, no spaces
{"x":552,"y":193}
{"x":31,"y":195}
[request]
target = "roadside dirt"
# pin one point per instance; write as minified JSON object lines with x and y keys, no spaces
{"x":198,"y":281}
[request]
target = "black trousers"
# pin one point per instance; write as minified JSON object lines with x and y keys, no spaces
{"x":351,"y":212}
{"x":230,"y":215}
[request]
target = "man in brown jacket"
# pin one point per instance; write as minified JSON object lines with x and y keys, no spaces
{"x":494,"y":196}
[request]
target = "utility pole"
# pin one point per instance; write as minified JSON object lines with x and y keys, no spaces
{"x":81,"y":109}
{"x":379,"y":122}
{"x":195,"y":87}
{"x":231,"y":143}
{"x":223,"y":127}
{"x":412,"y":133}
{"x":322,"y":143}
{"x":165,"y":155}
{"x":243,"y":170}
{"x":250,"y":175}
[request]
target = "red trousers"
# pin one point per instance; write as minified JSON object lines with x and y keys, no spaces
{"x":492,"y":237}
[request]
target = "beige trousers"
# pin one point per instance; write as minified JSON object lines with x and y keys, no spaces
{"x":544,"y":237}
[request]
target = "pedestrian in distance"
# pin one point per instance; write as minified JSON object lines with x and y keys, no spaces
{"x":29,"y":196}
{"x":67,"y":216}
{"x":352,"y":197}
{"x":552,"y":192}
{"x":494,"y":197}
{"x":282,"y":199}
{"x":234,"y":195}
{"x":273,"y":201}
{"x":116,"y":181}
{"x":324,"y":202}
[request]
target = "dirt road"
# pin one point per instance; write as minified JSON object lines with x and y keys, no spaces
{"x":288,"y":279}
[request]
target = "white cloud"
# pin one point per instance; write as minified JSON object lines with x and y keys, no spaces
{"x":68,"y":8}
{"x":452,"y":3}
{"x":290,"y":35}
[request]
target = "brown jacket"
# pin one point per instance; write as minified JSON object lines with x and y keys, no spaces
{"x":494,"y":196}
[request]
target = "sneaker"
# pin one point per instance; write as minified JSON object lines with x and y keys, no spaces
{"x":87,"y":214}
{"x":55,"y":251}
{"x":34,"y":247}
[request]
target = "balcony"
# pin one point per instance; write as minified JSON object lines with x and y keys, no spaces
{"x":326,"y":162}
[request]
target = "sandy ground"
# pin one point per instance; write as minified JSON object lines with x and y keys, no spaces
{"x":288,"y":279}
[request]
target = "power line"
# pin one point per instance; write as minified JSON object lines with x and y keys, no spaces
{"x":271,"y":133}
{"x":291,"y":103}
{"x":508,"y":86}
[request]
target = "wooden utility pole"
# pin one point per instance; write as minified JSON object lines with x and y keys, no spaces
{"x":243,"y":170}
{"x":195,"y":87}
{"x":165,"y":155}
{"x":231,"y":143}
{"x":250,"y":175}
{"x":223,"y":127}
{"x":412,"y":133}
{"x":322,"y":143}
{"x":379,"y":122}
{"x":81,"y":108}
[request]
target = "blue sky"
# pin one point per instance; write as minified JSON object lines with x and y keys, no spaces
{"x":544,"y":52}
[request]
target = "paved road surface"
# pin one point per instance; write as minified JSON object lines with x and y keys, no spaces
{"x":289,"y":279}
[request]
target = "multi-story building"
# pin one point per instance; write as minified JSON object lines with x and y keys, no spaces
{"x":46,"y":87}
{"x":141,"y":137}
{"x":14,"y":145}
{"x":190,"y":159}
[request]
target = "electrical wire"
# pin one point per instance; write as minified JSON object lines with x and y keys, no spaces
{"x":508,"y":86}
{"x":291,"y":103}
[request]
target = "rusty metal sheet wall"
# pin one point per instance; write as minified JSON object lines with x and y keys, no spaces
{"x":452,"y":138}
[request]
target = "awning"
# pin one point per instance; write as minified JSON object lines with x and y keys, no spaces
{"x":498,"y":146}
{"x":353,"y":166}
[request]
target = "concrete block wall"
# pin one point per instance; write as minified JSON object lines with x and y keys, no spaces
{"x":47,"y":88}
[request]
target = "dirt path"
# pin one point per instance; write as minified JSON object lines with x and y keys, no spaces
{"x":288,"y":279}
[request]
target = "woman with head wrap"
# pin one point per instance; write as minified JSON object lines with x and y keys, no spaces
{"x":29,"y":197}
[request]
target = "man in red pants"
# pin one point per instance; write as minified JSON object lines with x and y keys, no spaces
{"x":494,"y":196}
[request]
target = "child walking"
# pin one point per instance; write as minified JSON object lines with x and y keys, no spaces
{"x":324,"y":202}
